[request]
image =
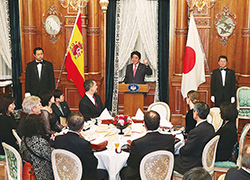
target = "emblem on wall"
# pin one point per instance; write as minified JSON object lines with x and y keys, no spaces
{"x":52,"y":24}
{"x":225,"y":25}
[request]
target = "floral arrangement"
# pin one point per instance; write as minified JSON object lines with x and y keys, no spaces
{"x":122,"y":121}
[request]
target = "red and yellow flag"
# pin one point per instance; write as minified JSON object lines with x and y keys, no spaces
{"x":75,"y":56}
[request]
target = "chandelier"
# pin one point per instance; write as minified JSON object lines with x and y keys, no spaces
{"x":73,"y":3}
{"x":200,"y":4}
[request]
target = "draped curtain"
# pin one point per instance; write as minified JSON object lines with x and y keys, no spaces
{"x":5,"y":42}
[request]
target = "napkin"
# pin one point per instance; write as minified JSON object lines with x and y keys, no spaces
{"x":102,"y":128}
{"x":164,"y":122}
{"x":105,"y":115}
{"x":139,"y":115}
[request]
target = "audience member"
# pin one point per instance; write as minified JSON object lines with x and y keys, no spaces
{"x":136,"y":71}
{"x":192,"y":98}
{"x":80,"y":147}
{"x":30,"y":105}
{"x":7,"y":123}
{"x":152,"y":141}
{"x":222,"y":83}
{"x":39,"y":74}
{"x":60,"y":107}
{"x":1,"y":104}
{"x":49,"y":119}
{"x":191,"y":153}
{"x":197,"y":173}
{"x":227,"y":132}
{"x":36,"y":149}
{"x":244,"y":172}
{"x":90,"y":105}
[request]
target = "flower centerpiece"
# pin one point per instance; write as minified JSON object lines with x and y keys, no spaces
{"x":121,"y":122}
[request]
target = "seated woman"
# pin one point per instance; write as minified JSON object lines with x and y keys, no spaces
{"x":36,"y":149}
{"x":192,"y":98}
{"x":227,"y":132}
{"x":50,"y":120}
{"x":7,"y":122}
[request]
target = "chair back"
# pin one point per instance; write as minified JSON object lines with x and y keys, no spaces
{"x":242,"y":142}
{"x":214,"y":118}
{"x":243,"y":102}
{"x":19,"y":140}
{"x":66,"y":165}
{"x":157,"y":165}
{"x":209,"y":153}
{"x":162,"y":108}
{"x":222,"y":177}
{"x":13,"y":162}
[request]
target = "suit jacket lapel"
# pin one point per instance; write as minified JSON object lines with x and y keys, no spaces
{"x":35,"y":69}
{"x":43,"y":68}
{"x":138,"y":69}
{"x":227,"y":76}
{"x":220,"y":77}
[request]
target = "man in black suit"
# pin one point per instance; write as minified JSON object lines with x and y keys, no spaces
{"x":74,"y":143}
{"x":244,"y":172}
{"x":91,"y":104}
{"x":222,"y":83}
{"x":136,"y":71}
{"x":152,"y":141}
{"x":191,"y":153}
{"x":39,"y":74}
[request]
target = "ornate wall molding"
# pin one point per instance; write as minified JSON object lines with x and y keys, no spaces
{"x":70,"y":21}
{"x":93,"y":31}
{"x":31,"y":30}
{"x":181,"y":31}
{"x":245,"y":32}
{"x":202,"y":22}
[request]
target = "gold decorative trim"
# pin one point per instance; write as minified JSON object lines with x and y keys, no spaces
{"x":244,"y":75}
{"x":31,"y":30}
{"x":202,"y":22}
{"x":70,"y":21}
{"x":92,"y":73}
{"x":93,"y":31}
{"x":181,"y":31}
{"x":245,"y":32}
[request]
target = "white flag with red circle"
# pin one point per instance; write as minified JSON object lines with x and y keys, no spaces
{"x":193,"y":73}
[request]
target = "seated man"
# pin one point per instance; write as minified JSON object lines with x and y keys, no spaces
{"x":60,"y":107}
{"x":90,"y":105}
{"x":80,"y":147}
{"x":152,"y":141}
{"x":191,"y":153}
{"x":197,"y":173}
{"x":244,"y":172}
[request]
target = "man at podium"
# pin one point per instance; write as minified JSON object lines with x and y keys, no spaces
{"x":136,"y":71}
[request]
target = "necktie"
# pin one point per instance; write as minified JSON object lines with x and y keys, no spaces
{"x":134,"y":71}
{"x":223,"y":69}
{"x":95,"y":102}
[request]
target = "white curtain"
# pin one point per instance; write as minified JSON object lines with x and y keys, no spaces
{"x":5,"y":42}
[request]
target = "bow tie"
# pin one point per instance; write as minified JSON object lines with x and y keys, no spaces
{"x":223,"y":69}
{"x":38,"y":63}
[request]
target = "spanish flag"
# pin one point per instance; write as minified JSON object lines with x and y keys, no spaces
{"x":75,"y":56}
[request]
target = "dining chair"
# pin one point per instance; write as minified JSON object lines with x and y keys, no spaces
{"x":19,"y":140}
{"x":162,"y":108}
{"x":13,"y":162}
{"x":157,"y":165}
{"x":243,"y":102}
{"x":222,"y":177}
{"x":66,"y":165}
{"x":214,"y":118}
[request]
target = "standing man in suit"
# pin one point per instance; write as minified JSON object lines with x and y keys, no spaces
{"x":74,"y":143}
{"x":191,"y":153}
{"x":136,"y":71}
{"x":152,"y":141}
{"x":39,"y":74}
{"x":91,"y":104}
{"x":222,"y":83}
{"x":244,"y":172}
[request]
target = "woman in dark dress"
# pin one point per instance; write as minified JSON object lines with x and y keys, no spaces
{"x":50,"y":120}
{"x":192,"y":98}
{"x":227,"y":132}
{"x":7,"y":122}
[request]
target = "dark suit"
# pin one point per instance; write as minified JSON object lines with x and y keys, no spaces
{"x":152,"y":141}
{"x":82,"y":148}
{"x":65,"y":109}
{"x":220,"y":92}
{"x":141,"y":71}
{"x":228,"y":137}
{"x":191,"y":153}
{"x":33,"y":84}
{"x":190,"y":122}
{"x":88,"y":109}
{"x":235,"y":174}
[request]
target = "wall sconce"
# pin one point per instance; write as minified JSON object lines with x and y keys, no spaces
{"x":73,"y":3}
{"x":200,"y":4}
{"x":104,"y":4}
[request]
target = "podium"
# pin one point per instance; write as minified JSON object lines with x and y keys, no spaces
{"x":133,"y":97}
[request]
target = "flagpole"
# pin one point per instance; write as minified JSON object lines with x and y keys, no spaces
{"x":65,"y":56}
